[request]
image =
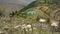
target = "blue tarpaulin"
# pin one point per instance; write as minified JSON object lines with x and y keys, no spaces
{"x":31,"y":12}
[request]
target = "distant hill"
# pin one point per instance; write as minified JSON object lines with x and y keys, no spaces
{"x":10,"y":7}
{"x":13,"y":5}
{"x":31,"y":5}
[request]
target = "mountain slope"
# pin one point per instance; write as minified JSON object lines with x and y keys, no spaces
{"x":33,"y":4}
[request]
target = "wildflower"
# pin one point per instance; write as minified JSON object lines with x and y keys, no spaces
{"x":28,"y":26}
{"x":26,"y":30}
{"x":42,"y":20}
{"x":17,"y":26}
{"x":54,"y":24}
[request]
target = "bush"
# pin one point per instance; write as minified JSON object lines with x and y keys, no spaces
{"x":1,"y":12}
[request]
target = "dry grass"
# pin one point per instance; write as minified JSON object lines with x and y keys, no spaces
{"x":7,"y":25}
